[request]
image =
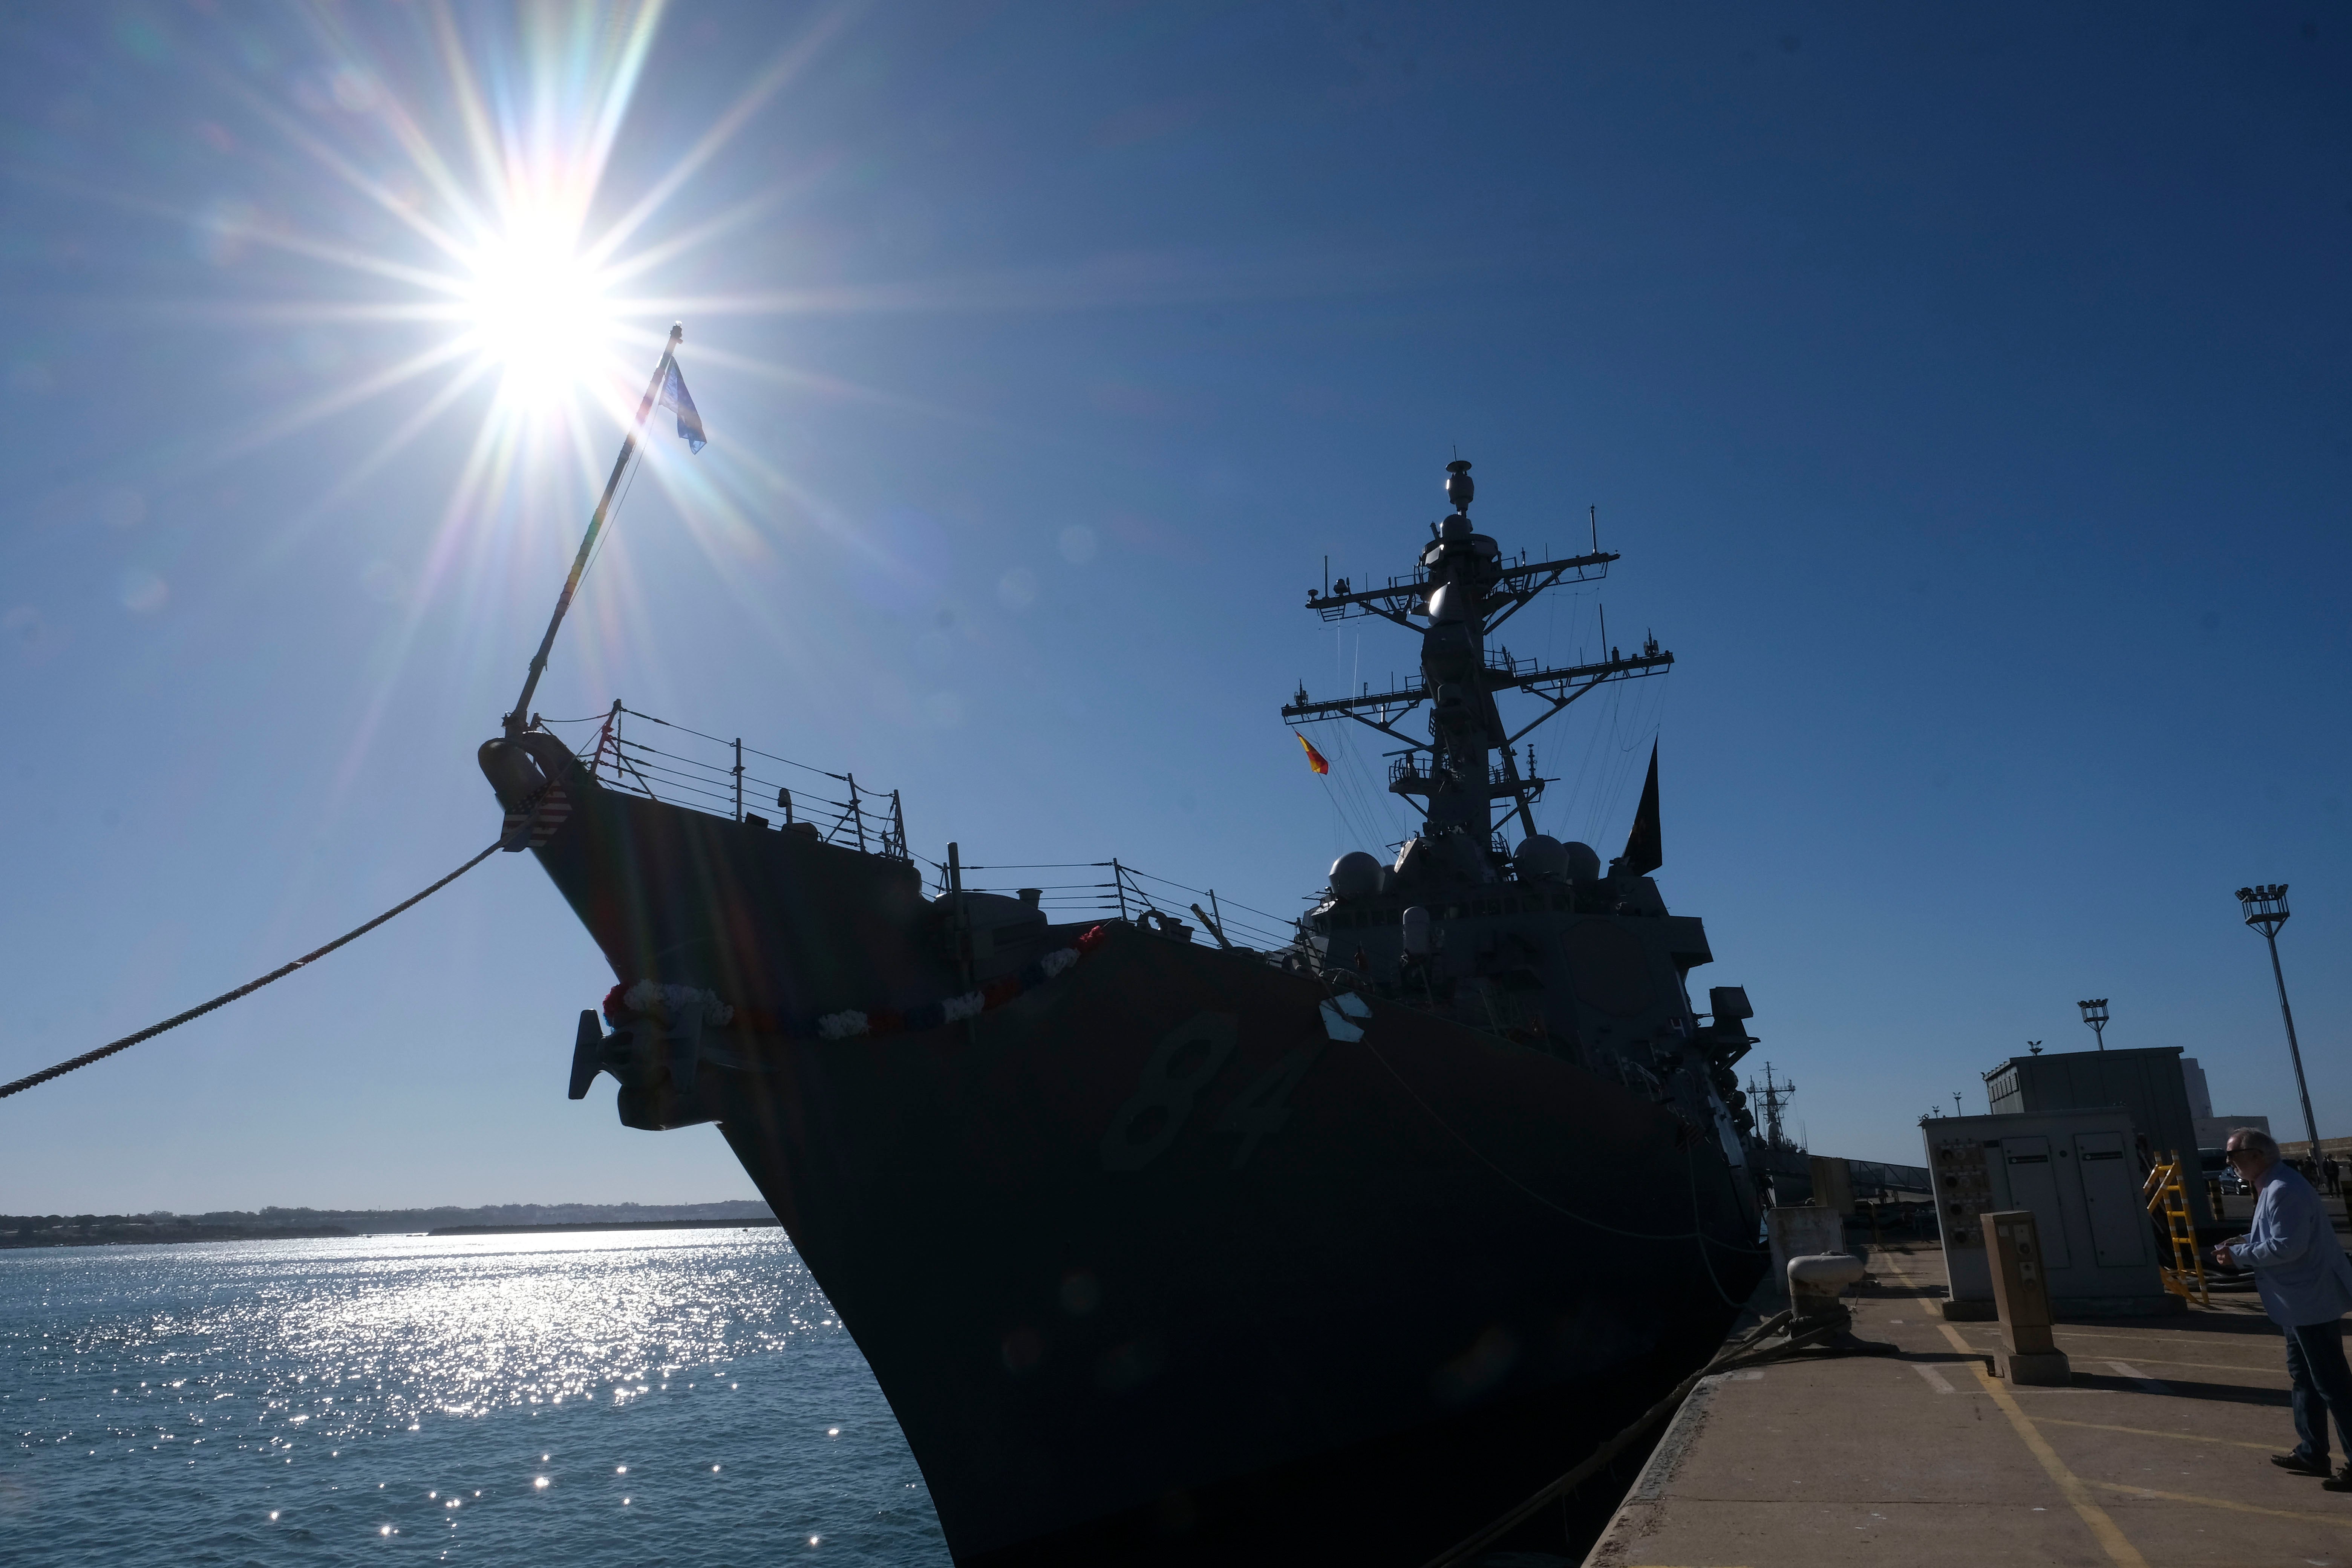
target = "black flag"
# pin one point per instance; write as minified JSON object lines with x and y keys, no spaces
{"x":1644,"y":852}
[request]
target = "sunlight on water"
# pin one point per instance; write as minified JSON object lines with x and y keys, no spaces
{"x":309,"y":1401}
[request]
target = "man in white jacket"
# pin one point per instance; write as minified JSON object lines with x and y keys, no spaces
{"x":2306,"y":1288}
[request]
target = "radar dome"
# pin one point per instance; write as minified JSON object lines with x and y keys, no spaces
{"x":1355,"y":875}
{"x":1584,"y":863}
{"x":1541,"y":858}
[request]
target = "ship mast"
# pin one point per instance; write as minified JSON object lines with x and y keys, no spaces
{"x":1464,"y":589}
{"x":1774,"y":1098}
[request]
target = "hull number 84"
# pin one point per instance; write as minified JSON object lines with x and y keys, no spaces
{"x":1180,"y":1066}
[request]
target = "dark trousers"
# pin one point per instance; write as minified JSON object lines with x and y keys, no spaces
{"x":2315,"y":1361}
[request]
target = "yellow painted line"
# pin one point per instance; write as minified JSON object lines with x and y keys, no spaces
{"x":2212,"y":1365}
{"x":2152,"y":1432}
{"x":2188,"y":1337}
{"x":1890,"y":1259}
{"x":2149,"y":1493}
{"x":2173,"y":1334}
{"x":2071,"y":1487}
{"x":1962,"y":1345}
{"x":2163,"y":1361}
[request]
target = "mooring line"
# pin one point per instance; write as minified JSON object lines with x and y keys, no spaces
{"x":1479,"y":1155}
{"x":248,"y":989}
{"x":1729,"y":1359}
{"x":1696,"y":1232}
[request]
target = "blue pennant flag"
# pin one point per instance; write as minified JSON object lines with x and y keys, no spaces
{"x":675,"y":397}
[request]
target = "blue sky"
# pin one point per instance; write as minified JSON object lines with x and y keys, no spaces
{"x":1967,"y":393}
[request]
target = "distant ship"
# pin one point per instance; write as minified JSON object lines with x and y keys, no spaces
{"x":1165,"y":1250}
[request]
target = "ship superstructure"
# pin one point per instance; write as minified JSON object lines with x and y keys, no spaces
{"x":1534,"y":941}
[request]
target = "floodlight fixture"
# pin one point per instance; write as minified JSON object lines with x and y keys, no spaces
{"x":2264,"y":908}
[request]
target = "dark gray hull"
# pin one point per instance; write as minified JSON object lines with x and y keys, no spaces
{"x":1150,"y":1268}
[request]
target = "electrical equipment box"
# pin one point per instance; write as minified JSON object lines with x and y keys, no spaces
{"x":2021,"y":1291}
{"x":2078,"y":1172}
{"x":2148,"y":1083}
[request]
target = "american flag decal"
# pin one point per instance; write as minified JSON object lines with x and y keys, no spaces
{"x":546,"y":815}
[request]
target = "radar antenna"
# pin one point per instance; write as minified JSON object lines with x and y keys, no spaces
{"x":1463,"y":591}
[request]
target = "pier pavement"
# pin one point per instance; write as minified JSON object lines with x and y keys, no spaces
{"x":2158,"y":1454}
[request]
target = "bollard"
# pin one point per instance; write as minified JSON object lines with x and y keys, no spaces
{"x":1815,"y":1285}
{"x":1801,"y":1230}
{"x":2020,"y":1295}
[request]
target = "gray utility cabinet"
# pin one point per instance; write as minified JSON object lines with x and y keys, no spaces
{"x":2148,"y":1083}
{"x":2075,"y":1170}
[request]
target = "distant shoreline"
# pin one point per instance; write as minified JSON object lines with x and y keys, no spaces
{"x":162,"y":1237}
{"x":22,"y":1231}
{"x":177,"y":1236}
{"x":770,"y":1224}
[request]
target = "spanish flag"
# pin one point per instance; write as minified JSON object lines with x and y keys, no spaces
{"x":1314,"y":758}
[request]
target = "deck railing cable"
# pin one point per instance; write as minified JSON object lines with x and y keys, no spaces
{"x":868,"y":819}
{"x":1127,"y":893}
{"x":873,"y":820}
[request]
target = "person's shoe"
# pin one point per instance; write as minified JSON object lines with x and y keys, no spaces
{"x":2341,"y":1482}
{"x":2302,"y":1464}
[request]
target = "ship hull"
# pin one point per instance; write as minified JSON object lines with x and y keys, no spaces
{"x":1150,"y":1266}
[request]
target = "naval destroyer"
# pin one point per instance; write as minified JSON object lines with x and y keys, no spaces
{"x":1169,"y":1249}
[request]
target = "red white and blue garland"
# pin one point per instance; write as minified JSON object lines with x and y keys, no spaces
{"x":648,"y":998}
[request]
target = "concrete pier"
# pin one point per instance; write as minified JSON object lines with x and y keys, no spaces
{"x":2156,"y":1453}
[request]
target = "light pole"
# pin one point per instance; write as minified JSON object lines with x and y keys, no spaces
{"x":2095,"y":1015}
{"x":2266,"y":910}
{"x":2033,"y":1047}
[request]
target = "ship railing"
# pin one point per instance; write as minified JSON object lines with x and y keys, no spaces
{"x":1408,"y":768}
{"x":1503,"y":777}
{"x":1128,"y":894}
{"x":1398,"y":595}
{"x":1340,"y":599}
{"x":711,"y":774}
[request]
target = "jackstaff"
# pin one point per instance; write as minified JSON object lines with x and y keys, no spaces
{"x":668,"y":388}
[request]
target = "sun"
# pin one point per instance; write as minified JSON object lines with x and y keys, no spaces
{"x":490,"y":224}
{"x":537,"y":310}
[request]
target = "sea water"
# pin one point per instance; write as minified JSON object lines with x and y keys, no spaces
{"x":676,"y":1398}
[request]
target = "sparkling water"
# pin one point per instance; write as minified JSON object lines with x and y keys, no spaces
{"x":602,"y":1398}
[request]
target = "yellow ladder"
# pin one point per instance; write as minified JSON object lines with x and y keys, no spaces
{"x":2164,"y":1194}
